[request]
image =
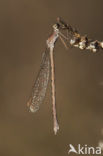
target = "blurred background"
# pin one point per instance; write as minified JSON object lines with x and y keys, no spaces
{"x":24,"y":27}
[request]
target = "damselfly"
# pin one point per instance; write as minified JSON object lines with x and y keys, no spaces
{"x":40,"y":85}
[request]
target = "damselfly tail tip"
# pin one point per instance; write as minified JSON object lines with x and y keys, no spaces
{"x":56,"y":128}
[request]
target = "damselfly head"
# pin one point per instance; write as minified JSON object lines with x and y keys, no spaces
{"x":56,"y":27}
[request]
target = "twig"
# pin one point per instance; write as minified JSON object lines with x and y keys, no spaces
{"x":76,"y":40}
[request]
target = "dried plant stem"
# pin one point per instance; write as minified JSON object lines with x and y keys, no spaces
{"x":76,"y":40}
{"x":55,"y":122}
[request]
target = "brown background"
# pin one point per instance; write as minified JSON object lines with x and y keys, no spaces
{"x":24,"y":28}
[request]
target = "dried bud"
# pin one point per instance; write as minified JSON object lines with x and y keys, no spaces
{"x":93,"y":46}
{"x":72,"y":41}
{"x":82,"y":45}
{"x":94,"y":50}
{"x":83,"y":42}
{"x":101,"y":44}
{"x":75,"y":41}
{"x":76,"y":45}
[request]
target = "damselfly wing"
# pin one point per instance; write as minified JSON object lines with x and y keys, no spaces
{"x":40,"y":85}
